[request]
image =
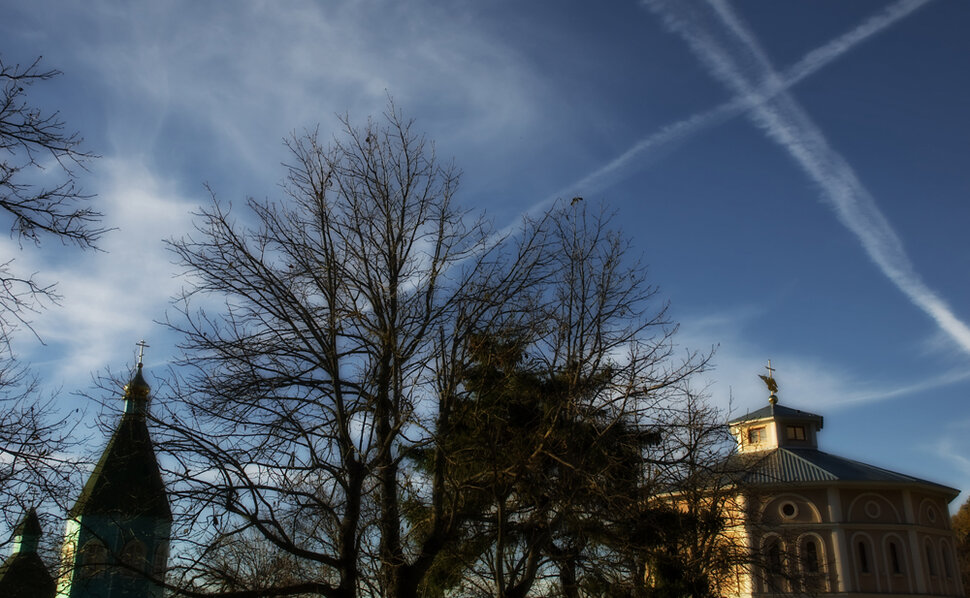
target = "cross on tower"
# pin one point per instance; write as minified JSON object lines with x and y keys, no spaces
{"x":142,"y":344}
{"x":771,"y":370}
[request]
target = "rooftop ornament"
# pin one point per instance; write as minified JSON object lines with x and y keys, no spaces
{"x":769,"y":381}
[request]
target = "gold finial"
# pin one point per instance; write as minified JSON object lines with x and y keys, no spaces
{"x":770,"y":383}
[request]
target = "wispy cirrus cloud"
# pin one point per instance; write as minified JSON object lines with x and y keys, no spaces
{"x":252,"y":74}
{"x":112,"y":297}
{"x":732,"y":54}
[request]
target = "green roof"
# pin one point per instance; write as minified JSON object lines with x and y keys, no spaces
{"x":127,"y":480}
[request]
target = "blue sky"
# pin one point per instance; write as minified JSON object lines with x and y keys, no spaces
{"x":795,"y":174}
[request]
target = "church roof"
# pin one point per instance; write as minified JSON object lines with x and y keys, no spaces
{"x":24,"y":575}
{"x":806,"y":465}
{"x":776,"y":411}
{"x":127,"y":481}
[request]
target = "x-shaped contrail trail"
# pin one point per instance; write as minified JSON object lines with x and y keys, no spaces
{"x":732,"y":54}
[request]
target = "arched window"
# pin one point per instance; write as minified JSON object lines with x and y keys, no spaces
{"x":894,"y":562}
{"x":773,"y":550}
{"x":773,"y":556}
{"x":160,"y":562}
{"x":92,"y":558}
{"x":947,"y":565}
{"x":810,"y":556}
{"x":863,"y":557}
{"x":133,"y":558}
{"x":67,"y":557}
{"x":930,"y":561}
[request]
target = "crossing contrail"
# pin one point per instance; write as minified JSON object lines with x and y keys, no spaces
{"x":732,"y":54}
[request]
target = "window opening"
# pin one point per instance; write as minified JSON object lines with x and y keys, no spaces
{"x":774,"y":557}
{"x":863,"y":558}
{"x":796,"y":432}
{"x":94,"y":555}
{"x":811,"y":557}
{"x":757,"y":435}
{"x":894,"y":558}
{"x":133,"y":557}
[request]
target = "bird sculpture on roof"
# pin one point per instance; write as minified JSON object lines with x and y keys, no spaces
{"x":770,"y":383}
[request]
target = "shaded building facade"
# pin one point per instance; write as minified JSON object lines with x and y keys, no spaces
{"x":822,"y":524}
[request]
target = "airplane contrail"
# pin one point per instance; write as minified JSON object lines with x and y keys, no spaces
{"x":731,"y":53}
{"x":682,"y":130}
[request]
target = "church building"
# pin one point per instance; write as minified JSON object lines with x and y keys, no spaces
{"x":24,"y":574}
{"x":117,"y":533}
{"x":821,"y":524}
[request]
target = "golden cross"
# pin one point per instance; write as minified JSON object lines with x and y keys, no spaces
{"x":770,"y":369}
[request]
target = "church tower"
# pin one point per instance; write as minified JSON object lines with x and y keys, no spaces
{"x":116,"y":541}
{"x":24,"y":574}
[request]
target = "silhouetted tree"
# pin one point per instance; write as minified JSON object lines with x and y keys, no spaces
{"x":32,"y":142}
{"x":401,"y":402}
{"x":333,"y":356}
{"x":38,"y":207}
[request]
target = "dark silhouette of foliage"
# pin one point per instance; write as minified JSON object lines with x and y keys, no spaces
{"x":961,"y":527}
{"x":402,"y":403}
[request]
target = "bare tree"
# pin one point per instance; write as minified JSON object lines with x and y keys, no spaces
{"x":36,"y":468}
{"x":403,"y":404}
{"x":38,"y":207}
{"x":33,"y":142}
{"x":332,"y":359}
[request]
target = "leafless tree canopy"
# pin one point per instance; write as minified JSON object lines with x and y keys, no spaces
{"x":39,"y":195}
{"x":394,"y":401}
{"x":40,"y":201}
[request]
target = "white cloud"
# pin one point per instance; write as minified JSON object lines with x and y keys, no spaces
{"x":252,"y":74}
{"x":111,"y":298}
